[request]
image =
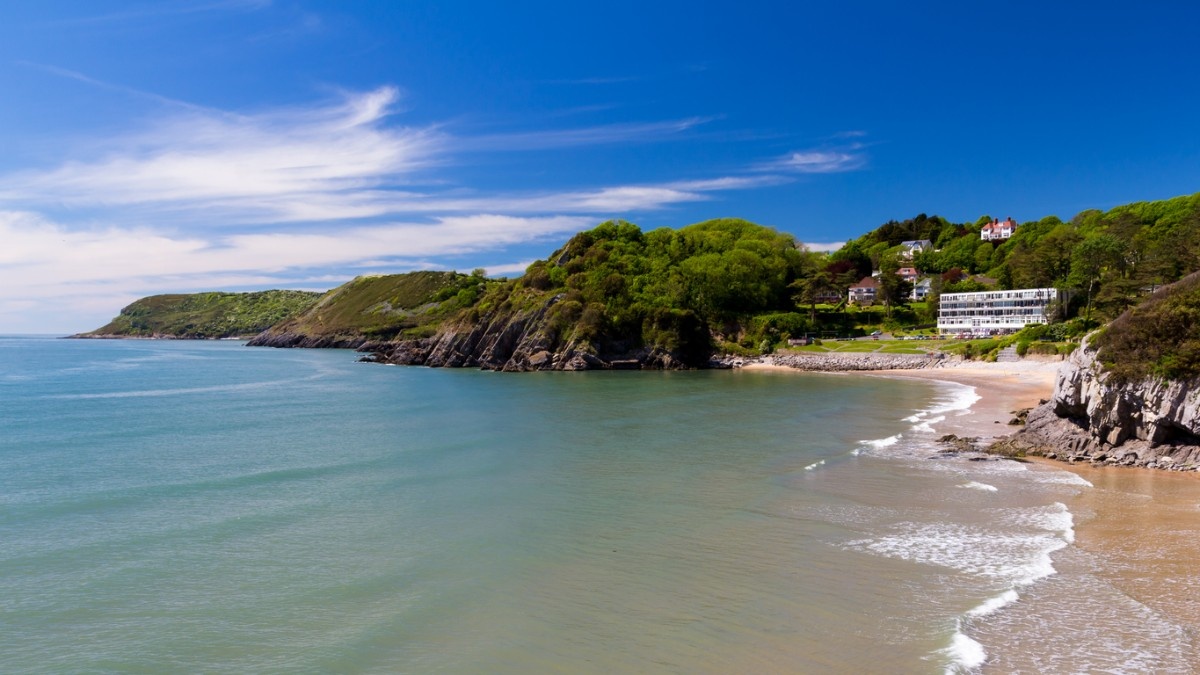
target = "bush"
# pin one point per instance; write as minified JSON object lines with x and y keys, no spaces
{"x":1047,"y":348}
{"x":1160,"y":337}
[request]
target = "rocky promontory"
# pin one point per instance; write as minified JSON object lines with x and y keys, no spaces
{"x":518,"y":341}
{"x":1094,"y":417}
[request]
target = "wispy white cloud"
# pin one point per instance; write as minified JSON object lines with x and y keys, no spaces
{"x":226,"y":161}
{"x":39,"y":252}
{"x":825,"y":247}
{"x":597,"y":135}
{"x":160,"y":10}
{"x":341,"y":160}
{"x":110,"y":86}
{"x":820,"y":161}
{"x":61,"y":269}
{"x":848,"y":155}
{"x":507,"y":269}
{"x":285,"y":196}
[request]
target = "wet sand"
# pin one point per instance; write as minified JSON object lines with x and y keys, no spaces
{"x":1003,"y":389}
{"x":1144,"y":524}
{"x":1138,"y":530}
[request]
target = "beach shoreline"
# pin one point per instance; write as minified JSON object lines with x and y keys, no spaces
{"x":1143,"y":523}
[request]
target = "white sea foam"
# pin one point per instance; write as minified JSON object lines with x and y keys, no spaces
{"x":1061,"y":478}
{"x":1017,"y":559}
{"x":965,"y":654}
{"x":992,"y":605}
{"x":814,"y":465}
{"x":976,"y":485}
{"x":927,"y":425}
{"x":1056,"y":518}
{"x":882,"y":442}
{"x":960,"y":398}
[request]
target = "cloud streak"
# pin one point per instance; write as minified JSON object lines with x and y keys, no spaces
{"x":56,"y":268}
{"x":285,"y":196}
{"x":851,"y":157}
{"x":201,"y":158}
{"x":337,"y":161}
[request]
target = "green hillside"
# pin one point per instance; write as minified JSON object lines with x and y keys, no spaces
{"x":720,"y":285}
{"x":206,"y":315}
{"x":610,"y":289}
{"x":1106,"y":260}
{"x":387,"y":306}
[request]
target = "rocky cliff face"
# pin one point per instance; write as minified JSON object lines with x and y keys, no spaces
{"x":1152,"y":423}
{"x":513,"y":341}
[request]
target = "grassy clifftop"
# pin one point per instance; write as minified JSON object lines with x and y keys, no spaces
{"x":385,"y":307}
{"x":206,"y":315}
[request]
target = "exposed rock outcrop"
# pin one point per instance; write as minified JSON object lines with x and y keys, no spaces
{"x":516,"y":341}
{"x":1150,"y":423}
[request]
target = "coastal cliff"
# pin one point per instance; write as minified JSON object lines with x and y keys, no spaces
{"x":1149,"y":423}
{"x":519,"y":341}
{"x":1130,"y":395}
{"x":613,"y":297}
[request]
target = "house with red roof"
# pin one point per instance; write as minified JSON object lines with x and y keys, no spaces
{"x":998,"y":230}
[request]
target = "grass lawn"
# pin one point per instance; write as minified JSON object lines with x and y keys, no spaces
{"x":864,"y":346}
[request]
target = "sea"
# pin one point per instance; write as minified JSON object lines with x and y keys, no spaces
{"x":202,"y":506}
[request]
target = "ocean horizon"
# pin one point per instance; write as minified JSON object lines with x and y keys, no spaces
{"x":186,"y":505}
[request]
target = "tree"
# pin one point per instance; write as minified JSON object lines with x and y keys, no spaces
{"x":893,"y":290}
{"x":808,"y":289}
{"x":1091,"y":261}
{"x":983,"y":258}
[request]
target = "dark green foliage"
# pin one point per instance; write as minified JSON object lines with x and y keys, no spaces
{"x":777,"y":327}
{"x":1160,"y":337}
{"x":1108,"y":260}
{"x":667,"y":288}
{"x":207,"y":315}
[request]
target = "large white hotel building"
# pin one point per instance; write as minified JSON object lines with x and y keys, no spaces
{"x":994,"y":311}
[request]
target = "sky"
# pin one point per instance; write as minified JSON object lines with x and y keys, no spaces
{"x":195,"y":145}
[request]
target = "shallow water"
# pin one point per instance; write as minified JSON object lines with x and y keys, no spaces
{"x":200,"y":505}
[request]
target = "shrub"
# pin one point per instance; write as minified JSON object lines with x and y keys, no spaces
{"x":1160,"y":337}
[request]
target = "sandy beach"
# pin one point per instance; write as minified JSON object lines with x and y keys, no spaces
{"x":1003,"y":389}
{"x":1145,"y":523}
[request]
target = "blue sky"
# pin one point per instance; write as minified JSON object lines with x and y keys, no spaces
{"x":152,"y":147}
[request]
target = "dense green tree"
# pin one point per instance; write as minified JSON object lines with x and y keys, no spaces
{"x":1092,"y":260}
{"x":893,"y":290}
{"x":856,"y":257}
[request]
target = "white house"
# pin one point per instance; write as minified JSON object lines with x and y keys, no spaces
{"x":922,"y":289}
{"x":988,"y":312}
{"x":865,"y":291}
{"x":915,"y":246}
{"x":998,"y":230}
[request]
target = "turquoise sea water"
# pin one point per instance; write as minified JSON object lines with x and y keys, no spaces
{"x":202,"y":506}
